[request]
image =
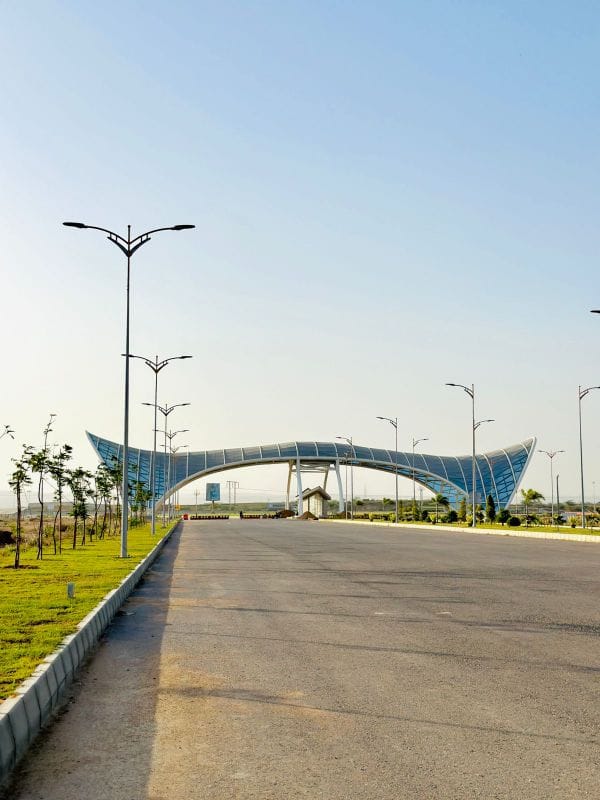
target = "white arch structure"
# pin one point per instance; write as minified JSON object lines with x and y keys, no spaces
{"x":499,"y":472}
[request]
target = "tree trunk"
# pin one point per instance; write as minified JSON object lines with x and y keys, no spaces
{"x":59,"y":519}
{"x":18,"y":532}
{"x":54,"y":530}
{"x":40,"y":539}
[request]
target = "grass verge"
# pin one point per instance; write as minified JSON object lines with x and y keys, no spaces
{"x":492,"y":526}
{"x":35,"y":612}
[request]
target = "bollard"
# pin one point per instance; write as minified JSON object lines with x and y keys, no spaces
{"x":71,"y":590}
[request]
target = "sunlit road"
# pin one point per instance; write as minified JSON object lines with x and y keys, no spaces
{"x":266,"y":659}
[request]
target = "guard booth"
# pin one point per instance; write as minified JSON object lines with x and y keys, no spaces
{"x":315,"y":500}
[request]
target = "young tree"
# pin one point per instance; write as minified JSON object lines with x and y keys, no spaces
{"x":462,"y":510}
{"x":104,"y":488}
{"x":18,"y":480}
{"x":39,"y":463}
{"x":440,"y":500}
{"x":78,"y":481}
{"x":530,"y":496}
{"x":490,"y":508}
{"x":115,"y":471}
{"x":57,"y":467}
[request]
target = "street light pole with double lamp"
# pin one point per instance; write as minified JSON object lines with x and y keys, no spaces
{"x":349,"y":440}
{"x":551,"y":455}
{"x":128,"y":245}
{"x":165,"y":411}
{"x":156,"y":366}
{"x":415,"y":442}
{"x":582,"y":393}
{"x":470,"y":390}
{"x":394,"y":423}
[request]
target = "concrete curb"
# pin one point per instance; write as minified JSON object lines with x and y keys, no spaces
{"x":565,"y":537}
{"x":23,"y":715}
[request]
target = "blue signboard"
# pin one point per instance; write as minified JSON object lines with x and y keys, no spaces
{"x":213,"y":492}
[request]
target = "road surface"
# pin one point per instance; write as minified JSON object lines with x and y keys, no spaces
{"x":283,"y":659}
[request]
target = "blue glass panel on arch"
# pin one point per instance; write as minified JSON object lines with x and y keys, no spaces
{"x":380,"y":455}
{"x":363,"y":453}
{"x":399,"y":458}
{"x":435,"y":465}
{"x":233,"y":455}
{"x":343,"y":449}
{"x":420,"y":461}
{"x":326,"y":449}
{"x":288,"y":449}
{"x":483,"y":474}
{"x":307,"y":449}
{"x":197,"y":463}
{"x":269,"y":451}
{"x":454,"y":472}
{"x":214,"y":458}
{"x":251,"y":453}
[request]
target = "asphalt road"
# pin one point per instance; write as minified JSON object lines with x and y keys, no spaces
{"x":266,"y":659}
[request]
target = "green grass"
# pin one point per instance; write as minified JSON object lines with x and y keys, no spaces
{"x":497,"y":527}
{"x":35,"y":612}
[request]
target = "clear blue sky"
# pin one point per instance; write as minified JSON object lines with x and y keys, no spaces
{"x":388,"y":196}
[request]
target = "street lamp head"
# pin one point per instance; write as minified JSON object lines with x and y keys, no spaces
{"x":182,"y":227}
{"x":182,"y":357}
{"x":75,"y":224}
{"x":595,"y":311}
{"x":452,"y":384}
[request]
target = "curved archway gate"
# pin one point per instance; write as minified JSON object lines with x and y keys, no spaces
{"x":498,"y":472}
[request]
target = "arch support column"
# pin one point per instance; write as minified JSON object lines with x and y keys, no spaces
{"x":289,"y":483}
{"x":299,"y":486}
{"x":341,"y":499}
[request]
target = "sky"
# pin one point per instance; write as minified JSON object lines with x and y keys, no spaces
{"x":387,"y":196}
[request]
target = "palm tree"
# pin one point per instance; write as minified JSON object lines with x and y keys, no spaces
{"x":530,"y":496}
{"x":440,"y":500}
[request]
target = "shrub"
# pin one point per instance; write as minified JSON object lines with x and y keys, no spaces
{"x":503,"y":516}
{"x":514,"y":522}
{"x":452,"y":515}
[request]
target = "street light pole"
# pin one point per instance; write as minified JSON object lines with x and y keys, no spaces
{"x":128,"y":247}
{"x":174,"y":451}
{"x":394,"y":423}
{"x":551,"y":454}
{"x":165,"y":411}
{"x":415,"y":442}
{"x":349,"y":440}
{"x":156,"y":366}
{"x":170,"y":435}
{"x":582,"y":393}
{"x":470,"y":390}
